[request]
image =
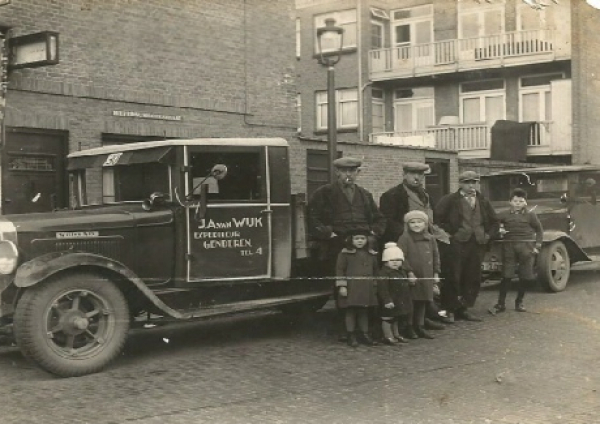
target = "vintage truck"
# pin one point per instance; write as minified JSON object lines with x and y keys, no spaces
{"x":565,"y":200}
{"x":185,"y":229}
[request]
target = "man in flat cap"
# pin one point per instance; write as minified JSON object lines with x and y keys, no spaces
{"x":470,"y":220}
{"x":408,"y":196}
{"x":335,"y":210}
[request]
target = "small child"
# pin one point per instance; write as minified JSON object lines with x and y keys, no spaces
{"x":522,"y":235}
{"x":393,"y":291}
{"x":422,"y":265}
{"x":355,"y":272}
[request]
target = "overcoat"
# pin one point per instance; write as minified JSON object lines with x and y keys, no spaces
{"x":394,"y":204}
{"x":392,"y":286}
{"x":421,"y":256}
{"x":356,"y":270}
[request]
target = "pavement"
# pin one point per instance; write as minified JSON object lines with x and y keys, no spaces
{"x":516,"y":368}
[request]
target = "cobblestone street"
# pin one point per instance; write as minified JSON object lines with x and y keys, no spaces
{"x":536,"y":367}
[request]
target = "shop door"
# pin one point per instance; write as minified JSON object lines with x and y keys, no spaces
{"x":232,"y":239}
{"x":437,"y":181}
{"x":33,"y":171}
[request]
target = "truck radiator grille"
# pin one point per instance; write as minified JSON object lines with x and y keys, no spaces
{"x":110,"y":247}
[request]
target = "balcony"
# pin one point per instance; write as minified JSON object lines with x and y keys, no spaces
{"x":507,"y":49}
{"x":472,"y":140}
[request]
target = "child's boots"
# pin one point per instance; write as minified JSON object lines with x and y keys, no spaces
{"x":351,"y":340}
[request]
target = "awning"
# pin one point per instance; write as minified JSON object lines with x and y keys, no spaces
{"x":163,"y":154}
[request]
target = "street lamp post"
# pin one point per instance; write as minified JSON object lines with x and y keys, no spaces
{"x":330,"y":47}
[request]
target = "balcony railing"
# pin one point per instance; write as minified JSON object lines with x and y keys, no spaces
{"x":510,"y":48}
{"x":466,"y":139}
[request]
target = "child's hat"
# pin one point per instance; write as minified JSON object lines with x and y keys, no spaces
{"x":391,"y":252}
{"x":416,"y":214}
{"x":358,"y":232}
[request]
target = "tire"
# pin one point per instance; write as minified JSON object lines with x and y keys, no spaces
{"x":72,"y":325}
{"x":554,"y":267}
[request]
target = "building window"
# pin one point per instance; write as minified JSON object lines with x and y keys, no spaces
{"x":413,"y":109}
{"x":299,"y":111}
{"x":377,"y":111}
{"x":377,"y":35}
{"x":346,"y":108}
{"x":482,"y":102}
{"x":478,"y":20}
{"x":317,"y":169}
{"x":298,"y":38}
{"x":345,"y":19}
{"x":412,"y":26}
{"x":529,"y":18}
{"x":535,"y":97}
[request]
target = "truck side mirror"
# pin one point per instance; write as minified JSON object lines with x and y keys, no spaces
{"x":155,"y":199}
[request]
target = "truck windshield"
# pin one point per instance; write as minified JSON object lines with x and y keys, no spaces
{"x":537,"y":186}
{"x":134,"y":182}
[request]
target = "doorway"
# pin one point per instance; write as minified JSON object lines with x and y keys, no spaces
{"x":34,"y":171}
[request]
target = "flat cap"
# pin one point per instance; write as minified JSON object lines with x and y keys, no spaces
{"x":468,"y":175}
{"x":347,"y":162}
{"x":415,"y":167}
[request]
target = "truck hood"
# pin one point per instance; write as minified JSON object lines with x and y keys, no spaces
{"x":89,"y":219}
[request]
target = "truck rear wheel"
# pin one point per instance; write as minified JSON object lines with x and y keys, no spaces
{"x":554,"y":266}
{"x":72,"y":325}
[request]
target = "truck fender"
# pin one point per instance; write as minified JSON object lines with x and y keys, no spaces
{"x":576,"y":254}
{"x":36,"y":270}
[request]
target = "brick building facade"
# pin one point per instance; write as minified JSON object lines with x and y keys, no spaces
{"x":196,"y":69}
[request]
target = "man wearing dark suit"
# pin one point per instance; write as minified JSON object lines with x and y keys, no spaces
{"x":336,"y":209}
{"x":470,"y":220}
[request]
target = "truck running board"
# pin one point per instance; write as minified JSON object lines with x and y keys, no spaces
{"x":233,"y":308}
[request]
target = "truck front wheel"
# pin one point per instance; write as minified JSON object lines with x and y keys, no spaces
{"x":72,"y":325}
{"x":554,"y":266}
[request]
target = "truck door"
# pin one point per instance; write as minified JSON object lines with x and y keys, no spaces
{"x":231,"y":240}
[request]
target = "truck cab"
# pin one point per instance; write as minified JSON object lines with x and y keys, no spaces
{"x":182,"y":229}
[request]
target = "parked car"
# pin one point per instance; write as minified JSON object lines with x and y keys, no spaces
{"x":565,"y":200}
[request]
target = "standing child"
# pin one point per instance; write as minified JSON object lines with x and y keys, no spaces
{"x":355,"y":272}
{"x":393,"y":291}
{"x":422,"y":265}
{"x":523,"y":234}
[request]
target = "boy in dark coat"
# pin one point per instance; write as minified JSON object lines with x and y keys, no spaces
{"x":422,"y":265}
{"x":393,"y":291}
{"x":522,"y":235}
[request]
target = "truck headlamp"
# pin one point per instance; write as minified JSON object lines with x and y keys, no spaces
{"x":8,"y":257}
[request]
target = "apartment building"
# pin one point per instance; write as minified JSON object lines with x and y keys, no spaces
{"x":446,"y":74}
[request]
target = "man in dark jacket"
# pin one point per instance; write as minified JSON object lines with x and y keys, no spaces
{"x":336,"y":209}
{"x":470,"y":220}
{"x":407,"y":196}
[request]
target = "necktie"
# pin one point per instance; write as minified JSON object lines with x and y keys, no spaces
{"x":349,"y":192}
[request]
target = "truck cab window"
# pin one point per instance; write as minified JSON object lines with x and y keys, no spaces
{"x":244,"y":175}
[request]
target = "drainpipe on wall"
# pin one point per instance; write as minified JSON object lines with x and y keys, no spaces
{"x":359,"y":67}
{"x":4,"y":34}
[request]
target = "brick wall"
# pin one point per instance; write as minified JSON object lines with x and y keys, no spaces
{"x":226,"y":67}
{"x":382,"y":165}
{"x":586,"y":82}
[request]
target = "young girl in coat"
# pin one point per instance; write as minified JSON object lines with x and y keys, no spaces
{"x":355,"y":272}
{"x":393,"y":291}
{"x":422,"y":265}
